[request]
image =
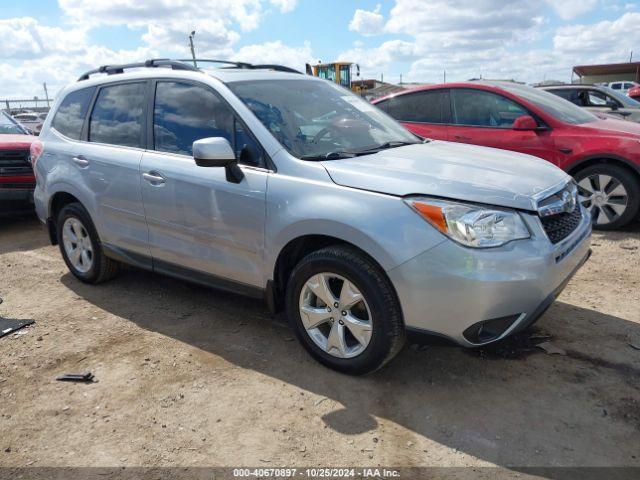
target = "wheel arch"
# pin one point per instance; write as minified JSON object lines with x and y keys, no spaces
{"x":606,"y":158}
{"x":296,"y":249}
{"x":58,"y":201}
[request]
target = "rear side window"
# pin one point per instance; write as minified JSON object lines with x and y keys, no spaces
{"x":118,"y":115}
{"x":72,"y":112}
{"x":428,"y":106}
{"x":484,"y":109}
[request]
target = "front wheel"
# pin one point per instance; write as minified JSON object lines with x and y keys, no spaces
{"x":611,"y":193}
{"x":344,"y":310}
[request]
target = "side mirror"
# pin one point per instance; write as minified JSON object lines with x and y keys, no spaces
{"x":612,"y":105}
{"x":525,"y":122}
{"x":217,"y":152}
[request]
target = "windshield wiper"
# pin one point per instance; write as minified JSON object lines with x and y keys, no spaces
{"x":330,"y":156}
{"x":386,"y":146}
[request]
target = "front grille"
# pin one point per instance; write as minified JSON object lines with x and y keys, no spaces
{"x":18,"y":186}
{"x":15,"y":162}
{"x":560,"y":226}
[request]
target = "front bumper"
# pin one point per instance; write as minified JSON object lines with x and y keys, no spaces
{"x":449,"y":290}
{"x":16,"y":201}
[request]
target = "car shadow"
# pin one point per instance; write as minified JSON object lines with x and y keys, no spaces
{"x":526,"y":409}
{"x":21,"y":234}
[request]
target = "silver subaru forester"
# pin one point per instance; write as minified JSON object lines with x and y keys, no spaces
{"x":260,"y":180}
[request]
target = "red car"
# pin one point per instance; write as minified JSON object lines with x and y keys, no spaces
{"x":634,"y":93}
{"x":16,"y":175}
{"x":602,"y":153}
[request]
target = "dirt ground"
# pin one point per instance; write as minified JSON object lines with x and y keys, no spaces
{"x":188,"y":376}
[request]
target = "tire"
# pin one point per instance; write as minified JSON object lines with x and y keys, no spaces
{"x":345,"y":268}
{"x":99,"y":268}
{"x":609,"y":211}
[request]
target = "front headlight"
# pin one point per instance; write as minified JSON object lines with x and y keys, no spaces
{"x":471,"y":225}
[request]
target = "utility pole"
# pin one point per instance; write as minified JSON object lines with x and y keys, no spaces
{"x":400,"y":79}
{"x":193,"y":51}
{"x":444,"y":76}
{"x":46,"y":94}
{"x":631,"y":56}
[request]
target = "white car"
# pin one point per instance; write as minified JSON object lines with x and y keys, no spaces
{"x":624,"y":86}
{"x":31,"y":120}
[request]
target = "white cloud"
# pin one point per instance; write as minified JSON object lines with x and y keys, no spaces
{"x":373,"y":59}
{"x":285,"y":5}
{"x":471,"y":24}
{"x":569,"y":9}
{"x":605,"y":38}
{"x":276,"y":53}
{"x":138,"y":13}
{"x":366,"y":22}
{"x":25,"y":37}
{"x":489,"y":38}
{"x":212,"y":37}
{"x":31,"y":52}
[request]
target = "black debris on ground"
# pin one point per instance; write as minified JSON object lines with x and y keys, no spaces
{"x":10,"y":325}
{"x":514,"y":347}
{"x":76,"y":377}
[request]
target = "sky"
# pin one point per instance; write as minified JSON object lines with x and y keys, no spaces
{"x":527,"y":40}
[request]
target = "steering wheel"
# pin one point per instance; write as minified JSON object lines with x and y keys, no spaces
{"x":323,"y":132}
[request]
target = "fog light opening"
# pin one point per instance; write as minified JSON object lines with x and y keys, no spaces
{"x":488,"y":330}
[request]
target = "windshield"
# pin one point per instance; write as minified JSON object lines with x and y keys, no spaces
{"x":8,"y":126}
{"x":557,"y":107}
{"x":622,"y":98}
{"x":317,"y":119}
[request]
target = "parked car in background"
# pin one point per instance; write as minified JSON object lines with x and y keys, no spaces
{"x":623,"y":86}
{"x":16,"y":175}
{"x":599,"y":99}
{"x":634,"y":93}
{"x":602,"y":154}
{"x":31,"y":120}
{"x":291,"y":188}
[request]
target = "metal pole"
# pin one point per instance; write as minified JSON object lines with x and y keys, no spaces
{"x":193,"y":51}
{"x":46,"y":94}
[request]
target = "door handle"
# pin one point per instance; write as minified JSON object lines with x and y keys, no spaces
{"x":461,"y":137}
{"x":80,"y":160}
{"x":154,"y":178}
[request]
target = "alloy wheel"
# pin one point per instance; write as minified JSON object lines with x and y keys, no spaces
{"x":77,"y":245}
{"x":604,"y":196}
{"x":335,"y":315}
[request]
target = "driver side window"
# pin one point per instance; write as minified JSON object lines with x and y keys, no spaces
{"x":184,"y":113}
{"x":480,"y":108}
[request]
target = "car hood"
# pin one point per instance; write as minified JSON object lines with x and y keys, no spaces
{"x":612,"y":126}
{"x":9,"y":141}
{"x":450,"y":170}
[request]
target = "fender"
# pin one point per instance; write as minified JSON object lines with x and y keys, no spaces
{"x":576,"y":165}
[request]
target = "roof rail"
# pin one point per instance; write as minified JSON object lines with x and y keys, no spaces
{"x":182,"y":64}
{"x":245,"y":65}
{"x":152,"y":63}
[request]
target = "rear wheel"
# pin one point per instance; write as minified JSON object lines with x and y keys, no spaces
{"x":344,"y":310}
{"x":611,"y":193}
{"x":80,"y":246}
